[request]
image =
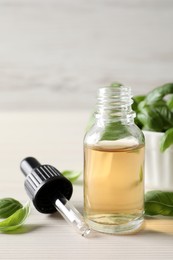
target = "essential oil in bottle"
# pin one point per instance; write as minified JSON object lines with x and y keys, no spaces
{"x":114,"y":165}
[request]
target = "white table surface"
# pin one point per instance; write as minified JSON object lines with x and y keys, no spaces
{"x":56,"y":138}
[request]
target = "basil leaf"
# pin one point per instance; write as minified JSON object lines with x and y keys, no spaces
{"x":135,"y":106}
{"x":114,"y":131}
{"x":166,"y":140}
{"x":155,"y":112}
{"x":8,"y":206}
{"x":15,"y":220}
{"x":136,"y":101}
{"x":71,"y":175}
{"x":159,"y":203}
{"x":170,"y":103}
{"x":156,"y":117}
{"x":116,"y":84}
{"x":158,"y":93}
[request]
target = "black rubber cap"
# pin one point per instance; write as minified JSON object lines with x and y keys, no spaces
{"x":44,"y":184}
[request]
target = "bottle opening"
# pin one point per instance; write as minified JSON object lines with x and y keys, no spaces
{"x":114,"y":103}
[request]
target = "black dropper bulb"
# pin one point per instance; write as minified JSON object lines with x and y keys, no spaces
{"x":43,"y":183}
{"x":50,"y":191}
{"x":28,"y":164}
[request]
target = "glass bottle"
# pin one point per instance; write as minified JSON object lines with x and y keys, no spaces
{"x":114,"y":165}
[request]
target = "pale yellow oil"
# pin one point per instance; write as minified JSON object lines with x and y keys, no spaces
{"x":114,"y":188}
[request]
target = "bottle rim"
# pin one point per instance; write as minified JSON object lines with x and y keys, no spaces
{"x":114,"y":103}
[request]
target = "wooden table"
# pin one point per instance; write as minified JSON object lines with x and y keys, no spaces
{"x":56,"y":138}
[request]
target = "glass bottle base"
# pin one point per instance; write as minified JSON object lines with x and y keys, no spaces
{"x":121,"y":225}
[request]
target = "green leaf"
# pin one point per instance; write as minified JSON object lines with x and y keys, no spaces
{"x":114,"y":131}
{"x":170,"y":103}
{"x":71,"y":175}
{"x":135,"y":106}
{"x":166,"y":140}
{"x":136,"y":101}
{"x":15,"y":220}
{"x":159,"y":203}
{"x":155,"y":113}
{"x":8,"y":206}
{"x":116,"y":84}
{"x":156,"y":117}
{"x":158,"y":93}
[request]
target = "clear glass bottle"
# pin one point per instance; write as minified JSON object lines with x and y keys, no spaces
{"x":114,"y":165}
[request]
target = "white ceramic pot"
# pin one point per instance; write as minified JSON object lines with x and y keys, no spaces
{"x":158,"y":166}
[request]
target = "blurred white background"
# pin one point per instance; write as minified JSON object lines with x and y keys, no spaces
{"x":54,"y":54}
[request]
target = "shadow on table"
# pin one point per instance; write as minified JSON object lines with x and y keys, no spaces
{"x":153,"y":227}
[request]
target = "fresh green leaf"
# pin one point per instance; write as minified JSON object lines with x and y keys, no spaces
{"x":71,"y":175}
{"x":116,"y":84}
{"x":159,"y":203}
{"x":136,"y":101}
{"x":114,"y":131}
{"x":154,"y":112}
{"x":166,"y":140}
{"x":170,"y":103}
{"x":159,"y":93}
{"x":15,"y":220}
{"x":8,"y":206}
{"x":156,"y":117}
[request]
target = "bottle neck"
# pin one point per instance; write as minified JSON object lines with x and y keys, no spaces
{"x":114,"y":105}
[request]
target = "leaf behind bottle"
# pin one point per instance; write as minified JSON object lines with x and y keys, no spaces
{"x":71,"y":175}
{"x":166,"y":140}
{"x":114,"y":131}
{"x":159,"y":203}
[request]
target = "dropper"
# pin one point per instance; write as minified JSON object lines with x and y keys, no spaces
{"x":49,"y":191}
